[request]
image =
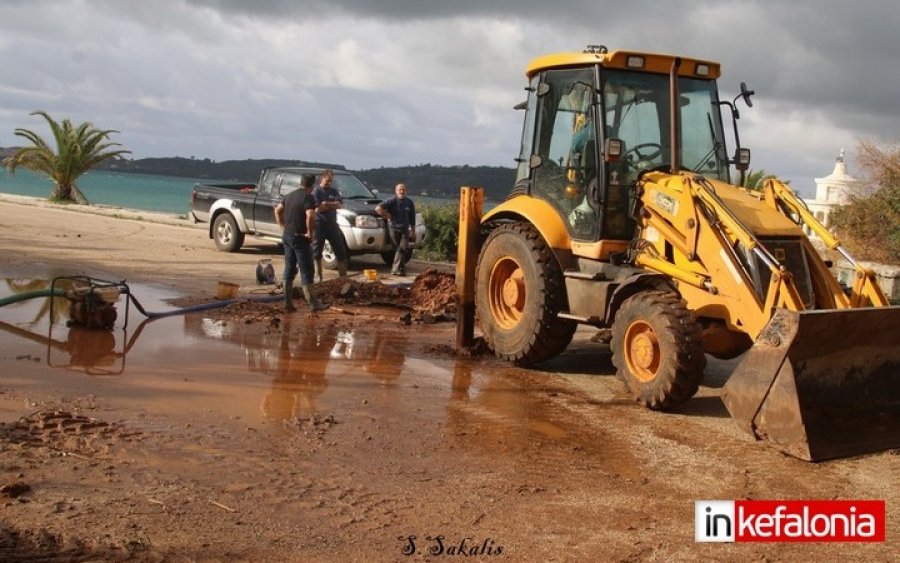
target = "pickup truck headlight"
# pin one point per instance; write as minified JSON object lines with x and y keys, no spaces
{"x":367,"y":222}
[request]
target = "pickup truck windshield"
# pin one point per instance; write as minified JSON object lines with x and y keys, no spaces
{"x":350,"y":187}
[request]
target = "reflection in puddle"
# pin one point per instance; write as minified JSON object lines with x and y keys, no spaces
{"x":303,"y":368}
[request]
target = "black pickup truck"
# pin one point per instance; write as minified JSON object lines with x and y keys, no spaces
{"x":233,"y":211}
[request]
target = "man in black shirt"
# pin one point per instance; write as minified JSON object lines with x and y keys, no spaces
{"x":296,"y":217}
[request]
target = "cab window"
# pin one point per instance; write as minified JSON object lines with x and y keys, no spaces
{"x":566,"y":175}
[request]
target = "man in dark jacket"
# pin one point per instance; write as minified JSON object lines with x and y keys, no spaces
{"x":400,"y":213}
{"x":328,"y":201}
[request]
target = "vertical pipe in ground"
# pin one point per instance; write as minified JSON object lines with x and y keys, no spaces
{"x":471,"y":202}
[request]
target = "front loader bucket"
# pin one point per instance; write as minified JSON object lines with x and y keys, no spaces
{"x":822,"y":384}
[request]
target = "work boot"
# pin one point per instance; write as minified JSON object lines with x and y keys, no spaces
{"x":314,"y":304}
{"x":342,"y":268}
{"x":318,"y":270}
{"x":289,"y":296}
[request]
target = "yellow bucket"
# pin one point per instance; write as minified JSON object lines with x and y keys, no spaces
{"x":227,"y":290}
{"x":371,"y":275}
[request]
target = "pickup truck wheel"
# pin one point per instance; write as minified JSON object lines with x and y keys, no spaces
{"x":226,"y":233}
{"x":657,"y":348}
{"x":329,"y":258}
{"x":388,"y":257}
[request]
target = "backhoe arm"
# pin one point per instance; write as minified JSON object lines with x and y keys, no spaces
{"x":865,"y":290}
{"x":691,"y":235}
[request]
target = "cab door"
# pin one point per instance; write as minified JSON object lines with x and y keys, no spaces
{"x":566,"y":174}
{"x":264,"y":210}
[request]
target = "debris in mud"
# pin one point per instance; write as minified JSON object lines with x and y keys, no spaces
{"x":431,"y":298}
{"x":603,"y":336}
{"x":478,"y":348}
{"x":42,"y":545}
{"x":314,"y":426}
{"x":434,"y":293}
{"x":15,"y":490}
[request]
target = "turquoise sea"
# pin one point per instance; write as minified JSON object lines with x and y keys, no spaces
{"x":166,"y":194}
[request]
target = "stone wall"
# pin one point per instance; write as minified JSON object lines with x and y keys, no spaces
{"x":887,"y":276}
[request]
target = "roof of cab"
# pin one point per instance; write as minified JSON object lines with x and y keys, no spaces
{"x":653,"y":62}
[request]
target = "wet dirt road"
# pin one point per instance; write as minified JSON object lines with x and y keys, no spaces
{"x":338,"y":436}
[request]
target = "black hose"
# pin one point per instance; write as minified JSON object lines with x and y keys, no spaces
{"x":57,"y":292}
{"x":199,"y":307}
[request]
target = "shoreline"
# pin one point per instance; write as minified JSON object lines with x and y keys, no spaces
{"x":174,"y":219}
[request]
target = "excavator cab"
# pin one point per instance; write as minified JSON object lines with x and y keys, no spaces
{"x":590,"y":132}
{"x":624,"y":216}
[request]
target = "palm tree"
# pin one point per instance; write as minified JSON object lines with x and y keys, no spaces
{"x":755,"y":179}
{"x":78,"y":149}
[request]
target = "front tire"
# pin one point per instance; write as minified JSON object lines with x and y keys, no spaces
{"x":329,"y":257}
{"x":657,"y":348}
{"x":226,"y":234}
{"x":519,"y":293}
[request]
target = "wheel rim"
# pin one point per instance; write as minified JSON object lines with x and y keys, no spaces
{"x":642,"y":351}
{"x":507,"y":293}
{"x":224,"y":232}
{"x":327,"y":252}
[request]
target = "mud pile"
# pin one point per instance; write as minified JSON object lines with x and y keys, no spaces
{"x":432,"y":294}
{"x":430,"y":298}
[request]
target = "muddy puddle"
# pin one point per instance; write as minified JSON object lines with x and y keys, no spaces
{"x":275,"y":374}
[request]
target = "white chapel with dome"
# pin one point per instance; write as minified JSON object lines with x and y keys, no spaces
{"x":831,"y":191}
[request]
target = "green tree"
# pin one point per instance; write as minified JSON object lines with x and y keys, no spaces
{"x":755,"y":178}
{"x":869,"y":224}
{"x":442,"y":222}
{"x":78,"y":149}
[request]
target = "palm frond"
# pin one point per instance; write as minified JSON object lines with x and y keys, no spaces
{"x":78,"y":149}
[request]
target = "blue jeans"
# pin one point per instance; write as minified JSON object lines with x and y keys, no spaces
{"x":297,"y":252}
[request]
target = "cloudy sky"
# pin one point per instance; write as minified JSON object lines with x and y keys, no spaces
{"x":370,"y":83}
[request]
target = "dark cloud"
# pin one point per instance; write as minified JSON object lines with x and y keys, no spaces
{"x":368,"y":82}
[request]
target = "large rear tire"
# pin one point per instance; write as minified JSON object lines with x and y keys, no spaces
{"x":519,"y":292}
{"x":226,"y":234}
{"x":657,"y":348}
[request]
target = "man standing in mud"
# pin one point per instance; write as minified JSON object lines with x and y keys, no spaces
{"x":400,"y":213}
{"x":328,"y":201}
{"x":296,"y":217}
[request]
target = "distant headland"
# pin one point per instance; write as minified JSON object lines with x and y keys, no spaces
{"x":422,"y":179}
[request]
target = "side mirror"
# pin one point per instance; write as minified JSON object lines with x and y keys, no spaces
{"x":742,"y":159}
{"x":745,"y":93}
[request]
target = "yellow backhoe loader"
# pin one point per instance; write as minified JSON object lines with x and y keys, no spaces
{"x":624,"y":216}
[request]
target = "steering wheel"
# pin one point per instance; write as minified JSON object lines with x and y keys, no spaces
{"x":636,"y":149}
